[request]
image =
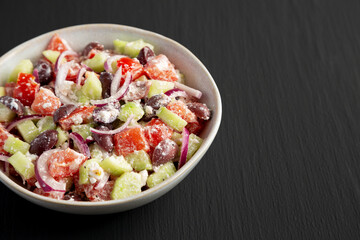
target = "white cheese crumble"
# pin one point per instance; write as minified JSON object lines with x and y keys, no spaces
{"x":144,"y":175}
{"x":95,"y":172}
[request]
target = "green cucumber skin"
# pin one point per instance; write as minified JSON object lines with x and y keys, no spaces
{"x":13,"y":145}
{"x":171,"y":119}
{"x":28,"y":130}
{"x":165,"y":171}
{"x":22,"y":165}
{"x":128,"y":184}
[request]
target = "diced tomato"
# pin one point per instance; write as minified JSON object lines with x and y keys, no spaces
{"x":45,"y":102}
{"x":160,"y":68}
{"x":31,"y":181}
{"x":65,"y":163}
{"x":53,"y":194}
{"x":9,"y":88}
{"x":97,"y":195}
{"x":179,"y":107}
{"x":80,"y":115}
{"x":26,"y":88}
{"x":130,"y":140}
{"x":3,"y":136}
{"x":57,"y":44}
{"x":73,"y":72}
{"x":91,"y":193}
{"x":156,"y":131}
{"x":132,"y":66}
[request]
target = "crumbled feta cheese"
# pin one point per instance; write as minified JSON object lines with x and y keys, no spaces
{"x":144,"y":175}
{"x":77,"y":119}
{"x":32,"y":157}
{"x":148,"y":109}
{"x":95,"y":172}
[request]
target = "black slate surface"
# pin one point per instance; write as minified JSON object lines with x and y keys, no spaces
{"x":286,"y":161}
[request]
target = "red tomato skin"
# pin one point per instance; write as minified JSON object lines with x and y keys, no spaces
{"x":130,"y":140}
{"x":132,"y":66}
{"x":26,"y":88}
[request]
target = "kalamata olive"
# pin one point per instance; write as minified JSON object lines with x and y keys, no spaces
{"x":200,"y":110}
{"x":106,"y":79}
{"x":91,"y":46}
{"x":157,"y":101}
{"x":63,"y":112}
{"x":44,"y":72}
{"x":107,"y":113}
{"x":104,"y":141}
{"x":137,"y":90}
{"x":144,"y":54}
{"x":13,"y":104}
{"x":45,"y":141}
{"x":164,"y":152}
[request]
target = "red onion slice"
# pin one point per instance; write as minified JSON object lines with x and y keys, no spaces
{"x":108,"y":63}
{"x":58,"y":62}
{"x":175,"y":92}
{"x":4,"y":158}
{"x":59,"y":83}
{"x":80,"y":75}
{"x":115,"y":83}
{"x":120,"y":94}
{"x":46,"y":181}
{"x":36,"y":75}
{"x":86,"y":67}
{"x":115,"y":131}
{"x":102,"y":181}
{"x":191,"y":91}
{"x":80,"y":143}
{"x":7,"y":168}
{"x":22,"y":119}
{"x":184,"y":147}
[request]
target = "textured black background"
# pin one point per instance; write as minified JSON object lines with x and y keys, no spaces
{"x":286,"y":161}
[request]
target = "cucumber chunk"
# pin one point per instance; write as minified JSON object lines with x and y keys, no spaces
{"x":127,"y":185}
{"x":51,"y":55}
{"x":62,"y":137}
{"x":164,"y":172}
{"x":181,"y":78}
{"x":6,"y":115}
{"x":2,"y":91}
{"x":119,"y":46}
{"x":24,"y":66}
{"x":171,"y":119}
{"x":133,"y":48}
{"x":91,"y":89}
{"x":194,"y":144}
{"x":29,"y":111}
{"x":97,"y":152}
{"x":158,"y":87}
{"x":131,"y":108}
{"x":46,"y":123}
{"x":84,"y":171}
{"x":139,"y":160}
{"x":97,"y":62}
{"x":22,"y":165}
{"x":28,"y":130}
{"x":83,"y":129}
{"x":116,"y":165}
{"x":13,"y":145}
{"x":177,"y":137}
{"x":142,"y":78}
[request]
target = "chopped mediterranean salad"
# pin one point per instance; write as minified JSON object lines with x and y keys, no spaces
{"x":100,"y":124}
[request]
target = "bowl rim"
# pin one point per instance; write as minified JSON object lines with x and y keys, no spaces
{"x":179,"y":173}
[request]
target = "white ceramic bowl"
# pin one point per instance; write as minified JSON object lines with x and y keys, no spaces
{"x":196,"y":75}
